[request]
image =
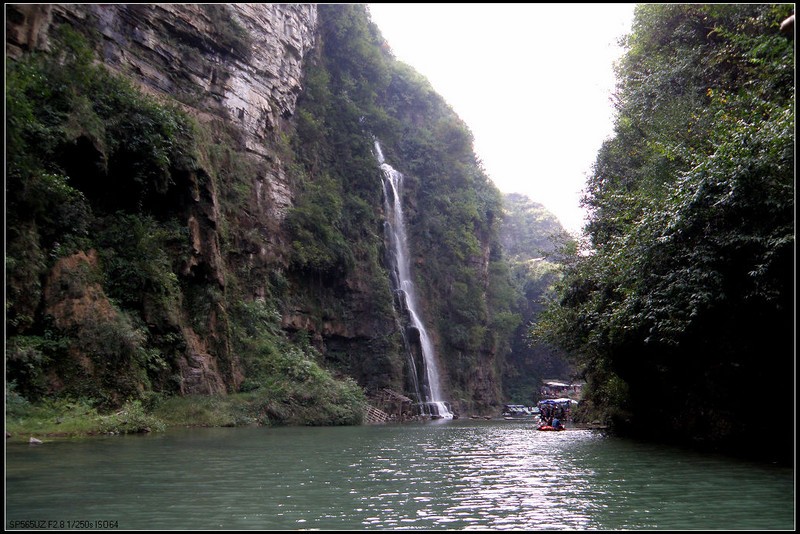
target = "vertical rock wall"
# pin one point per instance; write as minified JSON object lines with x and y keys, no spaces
{"x":236,"y":66}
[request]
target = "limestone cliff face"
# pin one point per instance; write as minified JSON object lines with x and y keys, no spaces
{"x":277,"y":200}
{"x":236,"y":68}
{"x":239,"y":62}
{"x":179,"y":50}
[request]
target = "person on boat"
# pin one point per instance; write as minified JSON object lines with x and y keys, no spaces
{"x":557,"y":424}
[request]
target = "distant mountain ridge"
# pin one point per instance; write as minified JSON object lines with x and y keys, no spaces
{"x":531,"y":237}
{"x":529,"y":230}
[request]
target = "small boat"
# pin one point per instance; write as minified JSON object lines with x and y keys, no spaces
{"x":553,"y":412}
{"x":551,"y":428}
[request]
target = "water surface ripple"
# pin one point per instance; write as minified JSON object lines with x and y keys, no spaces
{"x":457,"y":475}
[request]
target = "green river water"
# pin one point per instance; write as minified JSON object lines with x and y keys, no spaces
{"x":456,"y":475}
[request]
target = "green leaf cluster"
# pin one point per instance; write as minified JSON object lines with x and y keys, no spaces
{"x":685,"y":293}
{"x":356,"y":92}
{"x":535,"y":244}
{"x":93,"y":163}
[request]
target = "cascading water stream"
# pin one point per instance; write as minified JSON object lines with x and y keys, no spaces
{"x":429,"y":392}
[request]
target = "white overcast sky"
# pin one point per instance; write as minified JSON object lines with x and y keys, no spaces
{"x":532,"y":82}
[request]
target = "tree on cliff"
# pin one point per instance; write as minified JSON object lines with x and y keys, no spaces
{"x":532,"y":238}
{"x":211,"y":288}
{"x":354,"y":90}
{"x":681,"y":312}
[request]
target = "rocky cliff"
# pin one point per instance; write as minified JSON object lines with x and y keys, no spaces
{"x":238,"y":62}
{"x":238,"y":66}
{"x":532,"y":239}
{"x":219,"y":245}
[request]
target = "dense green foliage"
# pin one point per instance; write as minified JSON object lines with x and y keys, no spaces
{"x":534,"y":242}
{"x":356,"y":92}
{"x":529,"y":230}
{"x":141,"y":265}
{"x":89,"y":163}
{"x":682,"y":312}
{"x":69,"y":417}
{"x":335,"y":224}
{"x":95,"y":165}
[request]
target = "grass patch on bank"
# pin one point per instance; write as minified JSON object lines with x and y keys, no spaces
{"x":263,"y":408}
{"x":75,"y":418}
{"x":71,"y":418}
{"x":67,"y":418}
{"x":208,"y":411}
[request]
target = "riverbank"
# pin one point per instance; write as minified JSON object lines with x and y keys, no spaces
{"x":68,"y":418}
{"x":56,"y":419}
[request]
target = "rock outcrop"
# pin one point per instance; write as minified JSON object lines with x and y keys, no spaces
{"x":268,"y":214}
{"x":232,"y":66}
{"x":240,"y":62}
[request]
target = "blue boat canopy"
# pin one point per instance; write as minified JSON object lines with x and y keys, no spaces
{"x":558,"y":401}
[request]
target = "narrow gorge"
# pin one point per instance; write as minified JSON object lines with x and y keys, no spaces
{"x":194,"y":208}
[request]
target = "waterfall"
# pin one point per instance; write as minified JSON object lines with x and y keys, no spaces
{"x":428,"y":390}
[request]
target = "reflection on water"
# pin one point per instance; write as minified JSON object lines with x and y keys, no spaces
{"x":447,"y":475}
